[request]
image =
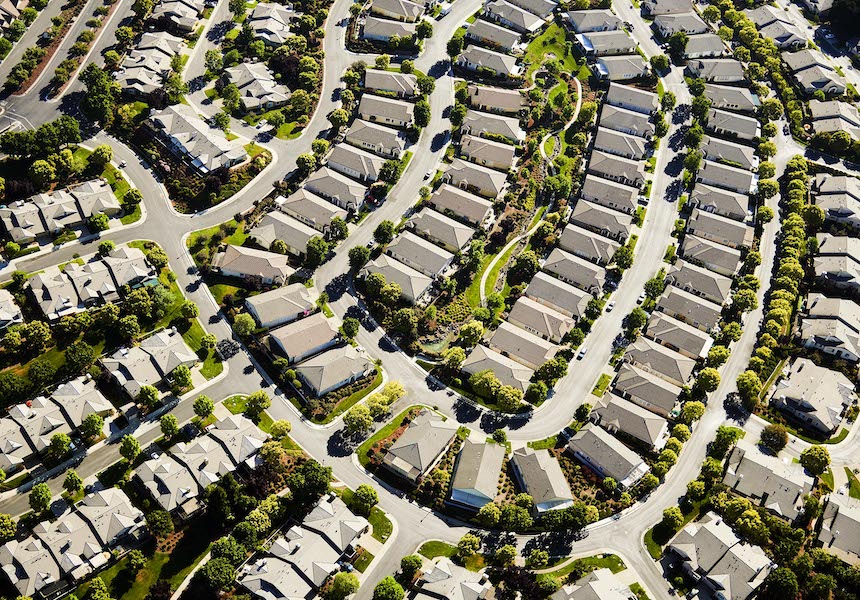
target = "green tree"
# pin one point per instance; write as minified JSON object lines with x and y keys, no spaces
{"x":489,"y":514}
{"x":218,"y":573}
{"x":92,"y":426}
{"x":366,"y":498}
{"x":342,"y":585}
{"x":358,"y":257}
{"x":388,"y":589}
{"x":60,"y":445}
{"x":508,"y":398}
{"x":338,"y":118}
{"x":351,"y":327}
{"x":40,"y":498}
{"x":244,"y":325}
{"x":749,"y":387}
{"x":468,"y":545}
{"x":73,"y":482}
{"x":357,"y":419}
{"x":774,"y":437}
{"x":506,"y":554}
{"x":8,"y":528}
{"x":781,"y":584}
{"x":280,"y":429}
{"x":815,"y":459}
{"x":169,"y":425}
{"x":258,"y":402}
{"x":673,"y":519}
{"x":148,"y":396}
{"x":316,"y":251}
{"x":410,"y":566}
{"x":129,"y":448}
{"x":717,"y":356}
{"x":181,"y":376}
{"x":708,"y":379}
{"x":100,"y":157}
{"x":660,"y":63}
{"x":538,"y":558}
{"x":692,"y":411}
{"x":128,"y":327}
{"x":455,"y":46}
{"x":384,"y":233}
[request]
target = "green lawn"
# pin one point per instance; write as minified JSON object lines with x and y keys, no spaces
{"x":473,"y":292}
{"x":659,"y":535}
{"x":602,"y":384}
{"x":379,"y":521}
{"x":853,"y":483}
{"x":285,"y":131}
{"x":382,"y":433}
{"x":544,"y":444}
{"x":254,"y":150}
{"x":494,"y":272}
{"x":239,"y":403}
{"x":550,"y":41}
{"x":219,"y":290}
{"x":637,"y":589}
{"x":827,"y":479}
{"x":590,"y":563}
{"x":435,"y":549}
{"x":363,"y":561}
{"x":200,"y":238}
{"x":345,"y":405}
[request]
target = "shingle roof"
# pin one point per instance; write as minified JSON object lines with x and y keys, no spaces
{"x":302,"y":336}
{"x":692,"y":309}
{"x":542,"y":476}
{"x":427,"y":436}
{"x":704,"y":282}
{"x":438,"y":227}
{"x":649,"y":389}
{"x":538,"y":318}
{"x":506,"y":370}
{"x":660,"y":360}
{"x":607,"y":453}
{"x":478,"y":467}
{"x":334,"y":366}
{"x":588,"y":245}
{"x":617,"y":413}
{"x":251,"y":262}
{"x":413,"y":283}
{"x":558,"y":294}
{"x":521,"y":345}
{"x":678,"y":334}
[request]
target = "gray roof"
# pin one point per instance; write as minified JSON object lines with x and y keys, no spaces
{"x":607,"y":192}
{"x":702,"y":282}
{"x":608,"y":454}
{"x":626,"y":120}
{"x":478,"y":123}
{"x":632,"y":98}
{"x":616,"y":413}
{"x":732,"y":98}
{"x":646,"y":388}
{"x":331,"y":184}
{"x":616,"y":142}
{"x":593,"y":20}
{"x":415,"y":451}
{"x":709,"y":44}
{"x":723,"y":202}
{"x":521,"y":19}
{"x":29,"y":565}
{"x":840,"y":527}
{"x":660,"y":360}
{"x":40,"y":419}
{"x":540,"y":319}
{"x":438,"y":227}
{"x":490,"y":32}
{"x":740,"y":125}
{"x":501,"y":63}
{"x":310,"y":208}
{"x":208,"y":148}
{"x":148,"y":363}
{"x":689,"y":308}
{"x":487,"y":152}
{"x":521,"y":345}
{"x":721,"y":228}
{"x":819,"y":393}
{"x":600,"y":584}
{"x":399,"y":83}
{"x":464,"y":172}
{"x":404,"y":8}
{"x":387,"y":28}
{"x":826,"y":184}
{"x":717,"y":69}
{"x":250,"y":262}
{"x":600,"y":218}
{"x":293,"y":299}
{"x":507,"y":371}
{"x":478,"y":467}
{"x":204,"y":458}
{"x":348,"y":159}
{"x":446,"y":580}
{"x":542,"y":8}
{"x":664,"y":7}
{"x":278,"y":226}
{"x":467,"y":206}
{"x":542,"y":477}
{"x":375,"y":134}
{"x":419,"y":253}
{"x":302,"y":336}
{"x":170,"y":483}
{"x":588,"y":245}
{"x":557,"y":294}
{"x":607,"y":42}
{"x":610,"y":165}
{"x":79,"y":398}
{"x":687,"y":22}
{"x":14,"y":447}
{"x":575,"y":270}
{"x":711,"y":253}
{"x":257,"y":85}
{"x":717,"y":149}
{"x":412,"y":283}
{"x":501,"y":99}
{"x":685,"y":337}
{"x":331,"y":368}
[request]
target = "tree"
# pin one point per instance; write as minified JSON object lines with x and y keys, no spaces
{"x":280,"y":429}
{"x":73,"y":482}
{"x":133,"y":197}
{"x":453,"y":357}
{"x":422,"y":111}
{"x":708,"y":379}
{"x":160,"y":523}
{"x":536,"y":392}
{"x":749,"y":387}
{"x":169,"y":425}
{"x":458,"y":114}
{"x":218,"y":573}
{"x":692,"y":411}
{"x":654,"y":287}
{"x":181,"y":376}
{"x":426,"y":84}
{"x":92,"y":426}
{"x":306,"y":162}
{"x":366,"y":498}
{"x":695,"y":490}
{"x":60,"y":445}
{"x":351,"y":327}
{"x":357,"y":419}
{"x":388,"y":589}
{"x":774,"y":437}
{"x":8,"y":528}
{"x":424,"y":30}
{"x":100,"y":157}
{"x":229,"y":549}
{"x":244,"y":325}
{"x":455,"y":46}
{"x":338,"y":229}
{"x":515,"y":518}
{"x":129,"y":448}
{"x":142,"y":8}
{"x":42,"y":174}
{"x":342,"y":585}
{"x":190,"y":310}
{"x":508,"y":398}
{"x":384,"y":233}
{"x":765,"y":214}
{"x":409,"y":566}
{"x":40,"y":497}
{"x":711,"y":14}
{"x":489,"y":514}
{"x":717,"y":356}
{"x":358,"y":257}
{"x":106,"y":247}
{"x":383,"y":61}
{"x":128,"y":327}
{"x":338,"y":118}
{"x":678,"y":43}
{"x":468,"y":545}
{"x":208,"y":341}
{"x":623,"y":257}
{"x":673,"y":518}
{"x":816,"y":459}
{"x":148,"y":396}
{"x":668,"y":101}
{"x":471,"y":332}
{"x":257,"y":402}
{"x":781,"y":584}
{"x":660,"y":63}
{"x":214,"y":61}
{"x":538,"y":558}
{"x":506,"y":554}
{"x":636,"y":319}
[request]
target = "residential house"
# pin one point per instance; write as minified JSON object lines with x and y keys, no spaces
{"x":481,"y":60}
{"x":632,"y":98}
{"x":54,"y":293}
{"x":840,"y":528}
{"x":493,"y":36}
{"x":485,"y":124}
{"x":414,"y":285}
{"x":704,"y":45}
{"x":79,"y":398}
{"x":689,"y":308}
{"x":689,"y":23}
{"x":10,"y":313}
{"x":513,"y":17}
{"x":258,"y":89}
{"x":576,"y":271}
{"x":719,"y":150}
{"x":606,"y":456}
{"x":110,"y":514}
{"x":487,"y":153}
{"x":586,"y":21}
{"x":838,"y":272}
{"x":726,"y":97}
{"x":333,"y":369}
{"x":679,"y":336}
{"x":701,"y":282}
{"x":270,"y":22}
{"x":355,"y":162}
{"x":588,"y":245}
{"x":419,"y":254}
{"x":476,"y":473}
{"x":541,"y":8}
{"x":606,"y":43}
{"x":445,"y":231}
{"x":540,"y":320}
{"x":179,"y":15}
{"x":615,"y":414}
{"x":336,"y":188}
{"x":652,"y":8}
{"x":93,"y":282}
{"x":304,"y":338}
{"x":278,"y":226}
{"x":379,"y":139}
{"x":388,"y":111}
{"x":382,"y":30}
{"x":460,"y":204}
{"x":496,"y":100}
{"x":417,"y":450}
{"x":812,"y":72}
{"x":661,"y":361}
{"x":15,"y":446}
{"x":717,"y":70}
{"x":30,"y":567}
{"x":22,"y":222}
{"x":282,"y":305}
{"x":617,"y":168}
{"x":840,"y":207}
{"x":732,"y":125}
{"x":145,"y":67}
{"x":832,"y":326}
{"x":446,"y":581}
{"x":522,"y":346}
{"x":646,"y":389}
{"x":785,"y":35}
{"x":258,"y":267}
{"x":818,"y":7}
{"x":600,"y":584}
{"x":204,"y":458}
{"x":833,"y":116}
{"x":507,"y":371}
{"x":558,"y":295}
{"x":239,"y":436}
{"x":399,"y":10}
{"x":716,"y":257}
{"x":170,"y":485}
{"x":813,"y":396}
{"x":189,"y":137}
{"x":305,"y":206}
{"x":610,"y":194}
{"x":605,"y":221}
{"x":148,"y":363}
{"x":539,"y":475}
{"x":620,"y":144}
{"x":475,"y":178}
{"x":719,"y":201}
{"x":95,"y":196}
{"x":717,"y":228}
{"x":780,"y":485}
{"x":40,"y":419}
{"x":403,"y":85}
{"x":621,"y":68}
{"x":627,"y":121}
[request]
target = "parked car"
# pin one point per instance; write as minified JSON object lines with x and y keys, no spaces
{"x":610,"y":306}
{"x":581,"y":354}
{"x":641,"y":298}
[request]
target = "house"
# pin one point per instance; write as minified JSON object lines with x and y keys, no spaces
{"x":828,"y":189}
{"x":40,"y":419}
{"x":837,"y":245}
{"x":189,"y":138}
{"x":812,"y":72}
{"x":558,"y":295}
{"x":632,"y":98}
{"x":621,"y":68}
{"x":485,"y":124}
{"x":444,"y":580}
{"x":833,"y":116}
{"x":717,"y":228}
{"x":278,"y":226}
{"x":445,"y":231}
{"x":679,"y":336}
{"x":259,"y":267}
{"x":9,"y":11}
{"x":814,"y":396}
{"x":204,"y":458}
{"x":620,"y":144}
{"x":240,"y":437}
{"x":10,"y":312}
{"x":30,"y":567}
{"x":614,"y":414}
{"x":399,"y":10}
{"x":93,"y":282}
{"x":15,"y":447}
{"x":333,"y":369}
{"x":282,"y":305}
{"x":460,"y":204}
{"x":95,"y":196}
{"x":701,"y":282}
{"x":417,"y":450}
{"x":738,"y":99}
{"x":586,"y":21}
{"x":54,"y":293}
{"x":588,"y":245}
{"x":507,"y":371}
{"x":22,"y":222}
{"x":540,"y":320}
{"x":725,"y":203}
{"x":717,"y":70}
{"x":59,"y":210}
{"x":838,"y":272}
{"x":378,"y":139}
{"x":606,"y":43}
{"x":617,"y":168}
{"x":270,"y":22}
{"x":179,"y":15}
{"x":494,"y":99}
{"x":606,"y":456}
{"x":732,"y":125}
{"x":840,"y":528}
{"x":780,"y":485}
{"x":414,"y":285}
{"x":493,"y":36}
{"x":306,"y":337}
{"x":336,"y":188}
{"x":652,"y":8}
{"x":305,"y":206}
{"x":482,"y":60}
{"x":388,"y":111}
{"x":541,"y":8}
{"x":258,"y":90}
{"x":785,"y":35}
{"x":711,"y":552}
{"x":403,"y":85}
{"x":605,"y":221}
{"x":513,"y":17}
{"x":716,"y":257}
{"x":661,"y":361}
{"x":476,"y":473}
{"x":148,"y":363}
{"x":539,"y":475}
{"x":600,"y":584}
{"x":110,"y":515}
{"x":689,"y":308}
{"x":355,"y":163}
{"x":688,"y":22}
{"x":610,"y":194}
{"x":487,"y":153}
{"x":704,"y":45}
{"x":170,"y":485}
{"x":522,"y":346}
{"x":419,"y":254}
{"x":646,"y":389}
{"x":79,"y":398}
{"x":475,"y":178}
{"x":382,"y":30}
{"x":576,"y":271}
{"x":832,"y":326}
{"x":129,"y":266}
{"x":818,"y":7}
{"x":719,"y":150}
{"x":145,"y":67}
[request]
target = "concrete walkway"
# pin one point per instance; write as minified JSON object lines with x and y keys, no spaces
{"x":501,"y":253}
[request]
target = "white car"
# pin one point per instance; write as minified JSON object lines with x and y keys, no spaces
{"x":610,"y":306}
{"x":641,"y":298}
{"x":262,"y":123}
{"x":581,"y":353}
